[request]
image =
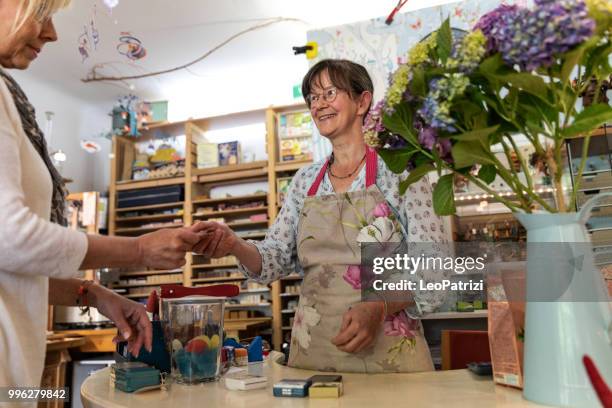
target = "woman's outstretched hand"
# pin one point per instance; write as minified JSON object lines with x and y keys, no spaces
{"x":130,"y":318}
{"x":166,"y":248}
{"x":216,"y":239}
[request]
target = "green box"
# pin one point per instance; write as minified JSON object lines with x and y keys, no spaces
{"x":159,"y":111}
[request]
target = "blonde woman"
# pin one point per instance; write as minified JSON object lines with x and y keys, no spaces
{"x":39,"y":257}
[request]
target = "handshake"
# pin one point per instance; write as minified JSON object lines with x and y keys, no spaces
{"x":166,"y":248}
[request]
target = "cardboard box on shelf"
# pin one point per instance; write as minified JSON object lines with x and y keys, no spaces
{"x":208,"y":155}
{"x":229,"y":153}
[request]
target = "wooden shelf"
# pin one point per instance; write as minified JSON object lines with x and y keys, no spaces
{"x":250,"y":197}
{"x":287,"y":327}
{"x":476,"y":314}
{"x":262,"y":290}
{"x":150,"y":207}
{"x":238,"y":224}
{"x":288,"y":311}
{"x":236,"y":172}
{"x":236,"y":211}
{"x":197,"y":184}
{"x":145,"y":273}
{"x":241,"y":305}
{"x":252,"y":236}
{"x":291,"y":165}
{"x":146,"y":229}
{"x":139,"y":285}
{"x":134,"y":184}
{"x":211,"y":266}
{"x":225,"y":279}
{"x":149,"y":217}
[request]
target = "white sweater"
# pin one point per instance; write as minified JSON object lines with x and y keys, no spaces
{"x":32,"y":249}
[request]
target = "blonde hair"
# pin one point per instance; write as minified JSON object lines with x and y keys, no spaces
{"x":37,"y":9}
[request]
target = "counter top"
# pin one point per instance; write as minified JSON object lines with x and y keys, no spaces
{"x":453,"y":388}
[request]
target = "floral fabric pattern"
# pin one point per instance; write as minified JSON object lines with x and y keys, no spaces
{"x":414,"y":209}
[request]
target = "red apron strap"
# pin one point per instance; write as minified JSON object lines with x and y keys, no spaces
{"x":371,"y":166}
{"x":371,"y":170}
{"x":317,"y":182}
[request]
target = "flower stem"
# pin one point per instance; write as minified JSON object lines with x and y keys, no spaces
{"x":585,"y":151}
{"x":509,"y":204}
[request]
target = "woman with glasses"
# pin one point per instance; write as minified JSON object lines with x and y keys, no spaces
{"x":317,"y":234}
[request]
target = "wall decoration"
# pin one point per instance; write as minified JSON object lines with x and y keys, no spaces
{"x":94,"y":75}
{"x":83,"y":42}
{"x":131,"y":47}
{"x":90,"y":146}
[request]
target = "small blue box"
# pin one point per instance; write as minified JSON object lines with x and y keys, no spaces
{"x":291,"y":388}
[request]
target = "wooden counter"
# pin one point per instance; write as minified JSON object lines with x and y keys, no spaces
{"x":96,"y":340}
{"x":454,"y":388}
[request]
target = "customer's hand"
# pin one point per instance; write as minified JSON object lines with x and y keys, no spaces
{"x":166,"y":248}
{"x":217,"y":239}
{"x":130,"y":318}
{"x":360,"y":325}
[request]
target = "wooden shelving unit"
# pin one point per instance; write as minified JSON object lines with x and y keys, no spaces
{"x":197,"y":204}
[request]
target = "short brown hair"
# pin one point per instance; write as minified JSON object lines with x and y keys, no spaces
{"x":343,"y":74}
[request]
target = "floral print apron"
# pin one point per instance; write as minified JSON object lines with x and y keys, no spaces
{"x":328,"y":250}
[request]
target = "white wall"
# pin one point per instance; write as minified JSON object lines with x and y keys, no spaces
{"x":74,"y":119}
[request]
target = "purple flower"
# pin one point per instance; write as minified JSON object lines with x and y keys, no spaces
{"x":428,"y":138}
{"x":500,"y":16}
{"x":534,"y":38}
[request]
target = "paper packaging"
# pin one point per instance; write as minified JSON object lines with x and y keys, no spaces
{"x":244,"y":381}
{"x":229,"y":153}
{"x":506,"y":303}
{"x":325,"y":386}
{"x":208,"y":155}
{"x":291,"y":388}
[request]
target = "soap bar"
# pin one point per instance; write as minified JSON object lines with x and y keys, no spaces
{"x":244,"y":381}
{"x":325,"y":386}
{"x":291,"y":388}
{"x":325,"y":390}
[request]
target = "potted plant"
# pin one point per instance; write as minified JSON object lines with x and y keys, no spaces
{"x":519,"y":71}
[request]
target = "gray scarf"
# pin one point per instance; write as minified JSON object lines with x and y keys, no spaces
{"x":30,"y":127}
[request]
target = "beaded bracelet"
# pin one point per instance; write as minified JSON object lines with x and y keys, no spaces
{"x":82,"y":301}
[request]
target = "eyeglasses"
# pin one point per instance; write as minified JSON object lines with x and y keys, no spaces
{"x":329,"y":95}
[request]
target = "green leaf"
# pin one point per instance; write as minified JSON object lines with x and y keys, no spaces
{"x":537,"y":108}
{"x":444,"y":196}
{"x":574,"y":58}
{"x":418,"y":86}
{"x":414,"y":176}
{"x":420,"y":159}
{"x":589,"y":119}
{"x":444,"y":41}
{"x":400,"y":122}
{"x":533,"y":84}
{"x":491,"y":65}
{"x":476,"y":135}
{"x":397,"y":160}
{"x":467,"y":153}
{"x":487,"y":173}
